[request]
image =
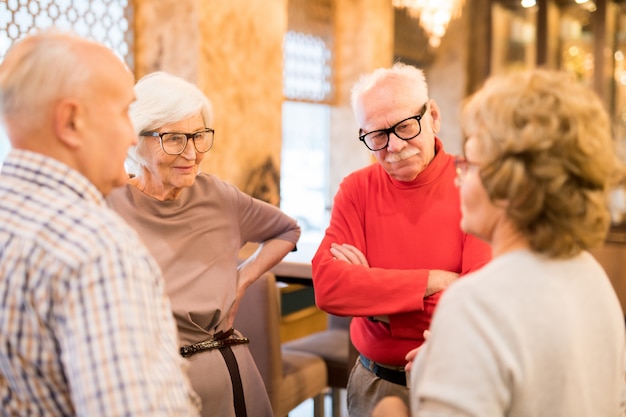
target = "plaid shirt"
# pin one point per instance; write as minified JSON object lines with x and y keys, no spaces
{"x":85,"y":327}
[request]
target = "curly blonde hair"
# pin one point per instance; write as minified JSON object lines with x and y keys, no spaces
{"x":549,"y":154}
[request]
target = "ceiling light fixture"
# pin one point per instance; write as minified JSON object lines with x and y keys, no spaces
{"x":434,"y":15}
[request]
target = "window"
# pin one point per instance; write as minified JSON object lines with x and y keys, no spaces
{"x":304,"y":166}
{"x":105,"y":21}
{"x":306,"y":130}
{"x":308,"y":91}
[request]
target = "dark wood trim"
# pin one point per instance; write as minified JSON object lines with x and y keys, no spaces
{"x":542,"y":33}
{"x":478,"y":43}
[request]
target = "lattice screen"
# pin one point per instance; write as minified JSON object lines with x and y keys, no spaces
{"x":106,"y":21}
{"x":308,"y":51}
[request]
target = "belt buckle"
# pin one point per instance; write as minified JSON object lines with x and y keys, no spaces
{"x":219,"y":340}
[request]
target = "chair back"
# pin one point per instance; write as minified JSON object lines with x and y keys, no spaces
{"x":258,"y":318}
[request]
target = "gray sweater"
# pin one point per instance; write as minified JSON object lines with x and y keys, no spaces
{"x":524,"y":336}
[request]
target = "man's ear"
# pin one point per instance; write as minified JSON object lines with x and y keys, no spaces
{"x":67,"y":118}
{"x":436,"y":116}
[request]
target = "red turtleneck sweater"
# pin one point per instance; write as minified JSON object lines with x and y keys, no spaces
{"x":404,"y":229}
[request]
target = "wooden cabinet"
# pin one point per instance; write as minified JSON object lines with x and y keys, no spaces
{"x":612,"y":256}
{"x":584,"y":38}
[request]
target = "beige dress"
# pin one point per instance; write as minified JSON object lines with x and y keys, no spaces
{"x":196,"y":241}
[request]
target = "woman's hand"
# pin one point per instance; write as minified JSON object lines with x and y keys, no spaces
{"x":391,"y":407}
{"x":410,"y":357}
{"x":232,"y":313}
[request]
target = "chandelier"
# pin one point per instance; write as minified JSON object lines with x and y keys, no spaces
{"x":434,"y":15}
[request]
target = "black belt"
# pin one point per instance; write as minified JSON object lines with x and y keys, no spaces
{"x":394,"y":376}
{"x":220,"y":340}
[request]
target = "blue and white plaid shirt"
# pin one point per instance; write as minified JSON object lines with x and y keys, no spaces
{"x":85,"y":327}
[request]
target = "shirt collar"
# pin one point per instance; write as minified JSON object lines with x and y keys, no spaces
{"x":49,"y":172}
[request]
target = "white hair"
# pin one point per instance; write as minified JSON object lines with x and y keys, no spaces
{"x":162,"y":98}
{"x":412,"y":76}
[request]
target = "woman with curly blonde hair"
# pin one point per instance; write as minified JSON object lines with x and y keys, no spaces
{"x":538,"y":331}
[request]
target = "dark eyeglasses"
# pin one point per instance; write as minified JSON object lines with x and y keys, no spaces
{"x":406,"y":129}
{"x":175,"y":143}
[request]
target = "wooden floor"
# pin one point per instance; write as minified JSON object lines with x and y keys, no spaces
{"x":306,"y":408}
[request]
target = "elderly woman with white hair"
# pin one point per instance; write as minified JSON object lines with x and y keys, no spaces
{"x":195,"y":224}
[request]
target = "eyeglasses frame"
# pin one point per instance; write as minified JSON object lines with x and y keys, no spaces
{"x":462,"y":166}
{"x":188,"y":137}
{"x":392,"y":129}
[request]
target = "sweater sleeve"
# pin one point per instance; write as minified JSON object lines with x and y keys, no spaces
{"x":261,"y":221}
{"x":404,"y":233}
{"x":356,"y":290}
{"x":476,"y":254}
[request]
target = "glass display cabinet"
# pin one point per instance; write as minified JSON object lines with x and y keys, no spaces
{"x":584,"y":37}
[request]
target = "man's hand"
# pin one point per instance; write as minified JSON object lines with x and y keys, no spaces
{"x":439,"y":280}
{"x":348,"y":253}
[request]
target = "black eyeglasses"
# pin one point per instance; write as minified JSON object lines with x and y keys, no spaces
{"x":406,"y":129}
{"x":175,"y":143}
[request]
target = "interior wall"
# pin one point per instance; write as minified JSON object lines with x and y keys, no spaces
{"x":364,"y":42}
{"x":233,"y":51}
{"x":447,"y":80}
{"x":167,"y":37}
{"x":241,"y":70}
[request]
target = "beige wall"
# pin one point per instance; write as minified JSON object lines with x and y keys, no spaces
{"x":447,"y":81}
{"x":241,"y":71}
{"x":364,"y":42}
{"x":233,"y":51}
{"x":167,"y":37}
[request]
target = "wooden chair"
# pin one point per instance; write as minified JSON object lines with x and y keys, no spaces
{"x":334,"y":346}
{"x":290,"y":377}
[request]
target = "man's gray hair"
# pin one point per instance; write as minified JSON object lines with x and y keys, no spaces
{"x":414,"y":78}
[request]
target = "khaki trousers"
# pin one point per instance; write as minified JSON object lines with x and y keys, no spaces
{"x":365,"y":389}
